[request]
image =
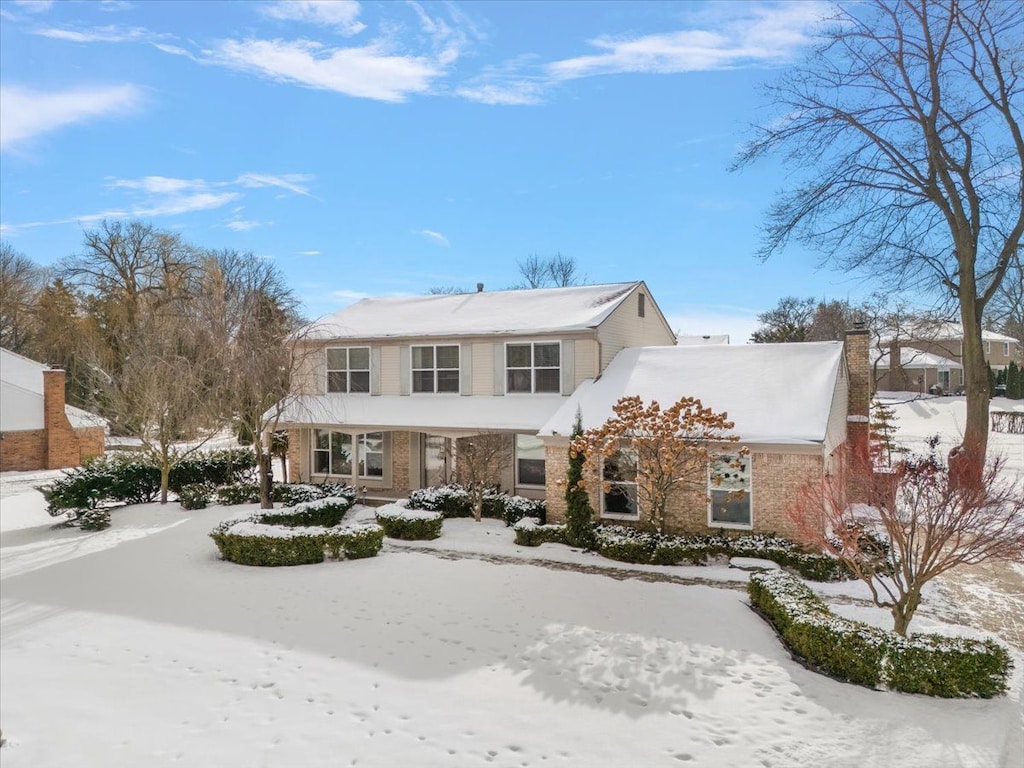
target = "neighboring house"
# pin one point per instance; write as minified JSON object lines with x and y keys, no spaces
{"x":917,"y":372}
{"x":391,"y":386}
{"x":940,"y":339}
{"x":793,"y":406}
{"x":685,"y":340}
{"x":37,"y":429}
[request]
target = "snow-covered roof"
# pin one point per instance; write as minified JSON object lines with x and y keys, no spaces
{"x":774,"y":393}
{"x":21,"y":396}
{"x":437,"y":414}
{"x":686,"y":340}
{"x":521,"y":312}
{"x":942,"y":330}
{"x":913,"y":358}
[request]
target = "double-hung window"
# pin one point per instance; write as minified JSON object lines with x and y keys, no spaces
{"x":729,"y":491}
{"x":435,"y":368}
{"x":529,"y":460}
{"x":1006,"y":349}
{"x":332,"y":452}
{"x":533,"y":367}
{"x":371,"y":454}
{"x":618,"y":492}
{"x":348,"y":369}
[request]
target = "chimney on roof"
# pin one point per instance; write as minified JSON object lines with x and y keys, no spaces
{"x":479,"y":287}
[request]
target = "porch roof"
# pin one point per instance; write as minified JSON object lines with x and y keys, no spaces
{"x":436,"y":414}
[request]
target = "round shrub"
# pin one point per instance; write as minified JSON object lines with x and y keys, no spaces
{"x":399,"y":522}
{"x":238,"y":493}
{"x":195,"y":495}
{"x":94,"y":520}
{"x":530,"y":533}
{"x":356,"y":541}
{"x":252,"y":543}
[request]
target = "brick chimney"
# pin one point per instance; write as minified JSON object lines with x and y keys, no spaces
{"x":61,"y":442}
{"x":858,"y":401}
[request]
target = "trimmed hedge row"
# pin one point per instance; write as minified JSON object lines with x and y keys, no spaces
{"x":453,"y":500}
{"x":134,"y":478}
{"x":288,"y":494}
{"x":399,"y":522}
{"x":630,"y":545}
{"x":530,"y":533}
{"x":949,"y":667}
{"x":298,"y":537}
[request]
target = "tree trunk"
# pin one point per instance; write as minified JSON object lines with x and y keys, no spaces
{"x":903,"y":612}
{"x":967,"y":461}
{"x":284,"y":469}
{"x":165,"y":477}
{"x":264,"y":460}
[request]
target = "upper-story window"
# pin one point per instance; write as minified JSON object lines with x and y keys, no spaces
{"x":1006,"y":349}
{"x":533,"y":367}
{"x":641,"y":301}
{"x":348,"y":369}
{"x":435,"y":368}
{"x":988,"y":347}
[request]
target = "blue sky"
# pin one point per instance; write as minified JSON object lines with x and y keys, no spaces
{"x":383,"y":148}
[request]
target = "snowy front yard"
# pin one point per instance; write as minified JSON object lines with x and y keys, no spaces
{"x":137,"y":646}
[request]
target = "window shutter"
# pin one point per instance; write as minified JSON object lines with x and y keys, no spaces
{"x":568,"y":367}
{"x":374,"y":370}
{"x":499,"y":369}
{"x":387,"y":459}
{"x":405,"y":370}
{"x":466,"y":369}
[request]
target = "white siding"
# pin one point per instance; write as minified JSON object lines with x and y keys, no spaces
{"x":483,"y":367}
{"x":835,"y":428}
{"x":625,"y":328}
{"x":389,"y":370}
{"x":586,"y":360}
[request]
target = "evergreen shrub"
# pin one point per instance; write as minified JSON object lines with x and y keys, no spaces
{"x":531,"y":533}
{"x":195,"y":495}
{"x":94,"y":520}
{"x":399,"y":522}
{"x":933,"y":665}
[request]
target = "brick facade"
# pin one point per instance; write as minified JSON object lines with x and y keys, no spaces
{"x":58,"y":444}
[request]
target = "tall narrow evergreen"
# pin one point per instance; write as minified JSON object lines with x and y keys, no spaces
{"x":578,"y":512}
{"x":1013,"y":382}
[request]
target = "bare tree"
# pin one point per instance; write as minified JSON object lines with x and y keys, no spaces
{"x":556,"y":271}
{"x":905,"y":129}
{"x":913,"y":525}
{"x":479,"y":461}
{"x":21,"y":279}
{"x":1005,"y":313}
{"x":659,"y":452}
{"x":252,"y":316}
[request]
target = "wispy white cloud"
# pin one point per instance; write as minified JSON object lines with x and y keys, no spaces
{"x":309,"y":253}
{"x":107,"y":34}
{"x":33,"y":6}
{"x":28,"y":113}
{"x":437,"y":237}
{"x":347,"y":295}
{"x":244,"y":225}
{"x":112,"y":6}
{"x":369,"y":71}
{"x":730,"y":36}
{"x":293,"y":182}
{"x":340,"y":15}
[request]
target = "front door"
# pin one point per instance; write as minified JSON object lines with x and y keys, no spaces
{"x":437,"y":460}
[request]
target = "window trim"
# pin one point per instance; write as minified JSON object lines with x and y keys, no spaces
{"x":359,"y":449}
{"x":413,"y":369}
{"x":314,"y":451}
{"x":601,"y":492}
{"x":712,"y":523}
{"x":348,"y":371}
{"x":1006,"y":349}
{"x":515,"y":459}
{"x":533,"y":368}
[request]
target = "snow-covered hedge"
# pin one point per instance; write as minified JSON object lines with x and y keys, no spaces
{"x":859,"y":653}
{"x":453,"y":500}
{"x":630,"y":545}
{"x":531,"y":533}
{"x":400,"y":522}
{"x":288,"y":494}
{"x":293,"y":538}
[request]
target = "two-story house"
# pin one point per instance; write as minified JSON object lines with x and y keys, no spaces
{"x":930,"y":354}
{"x":391,"y":385}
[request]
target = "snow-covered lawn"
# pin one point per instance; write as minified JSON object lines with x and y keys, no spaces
{"x":138,"y":646}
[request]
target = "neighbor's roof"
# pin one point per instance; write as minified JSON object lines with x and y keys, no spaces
{"x":942,"y":330}
{"x":913,"y":358}
{"x":774,"y":393}
{"x":436,"y":414}
{"x":521,"y":312}
{"x":21,"y":396}
{"x":687,"y":340}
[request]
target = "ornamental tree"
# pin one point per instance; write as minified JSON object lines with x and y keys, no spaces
{"x":911,"y":524}
{"x":671,"y":450}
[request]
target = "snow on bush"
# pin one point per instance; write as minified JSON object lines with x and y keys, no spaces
{"x":454,"y":500}
{"x":631,"y":545}
{"x":400,"y":522}
{"x":531,"y":533}
{"x":94,"y":520}
{"x":950,"y":667}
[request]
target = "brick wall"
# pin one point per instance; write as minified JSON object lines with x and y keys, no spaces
{"x":23,"y":450}
{"x":298,"y":472}
{"x":91,"y":441}
{"x":400,"y":463}
{"x":62,"y":449}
